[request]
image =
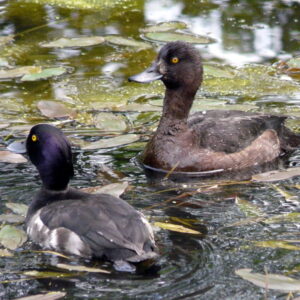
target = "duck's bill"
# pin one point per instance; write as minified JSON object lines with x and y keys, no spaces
{"x":148,"y":75}
{"x":17,"y":147}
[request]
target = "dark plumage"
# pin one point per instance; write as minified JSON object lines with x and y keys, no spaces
{"x":209,"y":140}
{"x":68,"y":220}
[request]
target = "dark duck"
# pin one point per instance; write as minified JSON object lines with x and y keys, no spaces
{"x":68,"y":220}
{"x":208,"y":140}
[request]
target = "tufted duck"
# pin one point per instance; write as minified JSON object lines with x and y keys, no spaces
{"x":208,"y":140}
{"x":68,"y":220}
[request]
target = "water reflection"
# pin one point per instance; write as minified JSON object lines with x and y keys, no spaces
{"x":247,"y":31}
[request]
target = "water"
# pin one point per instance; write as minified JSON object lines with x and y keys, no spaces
{"x":232,"y":217}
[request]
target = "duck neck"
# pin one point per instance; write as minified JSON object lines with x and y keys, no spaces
{"x":55,"y":178}
{"x":177,"y":105}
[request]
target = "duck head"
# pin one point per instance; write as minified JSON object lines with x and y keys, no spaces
{"x":50,"y":151}
{"x":178,"y":65}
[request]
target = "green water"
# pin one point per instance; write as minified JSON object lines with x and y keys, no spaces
{"x":251,"y":37}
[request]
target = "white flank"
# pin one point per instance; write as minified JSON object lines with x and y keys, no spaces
{"x":60,"y":239}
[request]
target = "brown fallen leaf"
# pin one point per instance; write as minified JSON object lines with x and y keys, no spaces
{"x":10,"y":157}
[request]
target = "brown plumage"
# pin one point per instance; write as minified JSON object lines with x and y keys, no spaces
{"x":209,"y":140}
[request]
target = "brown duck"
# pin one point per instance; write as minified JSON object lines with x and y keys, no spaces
{"x":208,"y":140}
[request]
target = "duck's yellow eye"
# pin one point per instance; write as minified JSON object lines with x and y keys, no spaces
{"x":34,"y":138}
{"x":175,"y":60}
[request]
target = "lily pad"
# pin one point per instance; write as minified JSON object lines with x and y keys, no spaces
{"x":175,"y":227}
{"x":74,"y":42}
{"x":48,"y":296}
{"x":277,"y":175}
{"x":10,"y":157}
{"x":115,"y":189}
{"x":52,"y":109}
{"x":18,"y":72}
{"x":110,"y":122}
{"x":44,"y":74}
{"x":178,"y":36}
{"x":165,"y":26}
{"x":81,"y":268}
{"x":113,"y":142}
{"x":11,"y":218}
{"x":270,"y":281}
{"x":17,"y":208}
{"x":127,"y":42}
{"x":12,"y":237}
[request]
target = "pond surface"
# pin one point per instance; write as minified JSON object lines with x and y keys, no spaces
{"x":242,"y":224}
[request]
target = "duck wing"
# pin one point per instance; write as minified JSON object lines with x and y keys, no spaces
{"x":108,"y":225}
{"x":232,"y":131}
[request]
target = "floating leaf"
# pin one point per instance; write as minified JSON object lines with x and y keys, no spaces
{"x":270,"y":281}
{"x":74,"y":42}
{"x":249,"y":209}
{"x":18,"y":72}
{"x":176,"y":36}
{"x":12,"y":237}
{"x":44,"y":74}
{"x":46,"y":274}
{"x":165,"y":26}
{"x":276,"y":244}
{"x":5,"y":253}
{"x":52,"y":109}
{"x":115,"y":189}
{"x":175,"y":227}
{"x":48,"y":296}
{"x":113,"y":142}
{"x":81,"y":268}
{"x":277,"y":175}
{"x":184,"y":221}
{"x":17,"y":208}
{"x":11,"y":218}
{"x":122,"y":41}
{"x":10,"y":157}
{"x":52,"y":253}
{"x":110,"y":122}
